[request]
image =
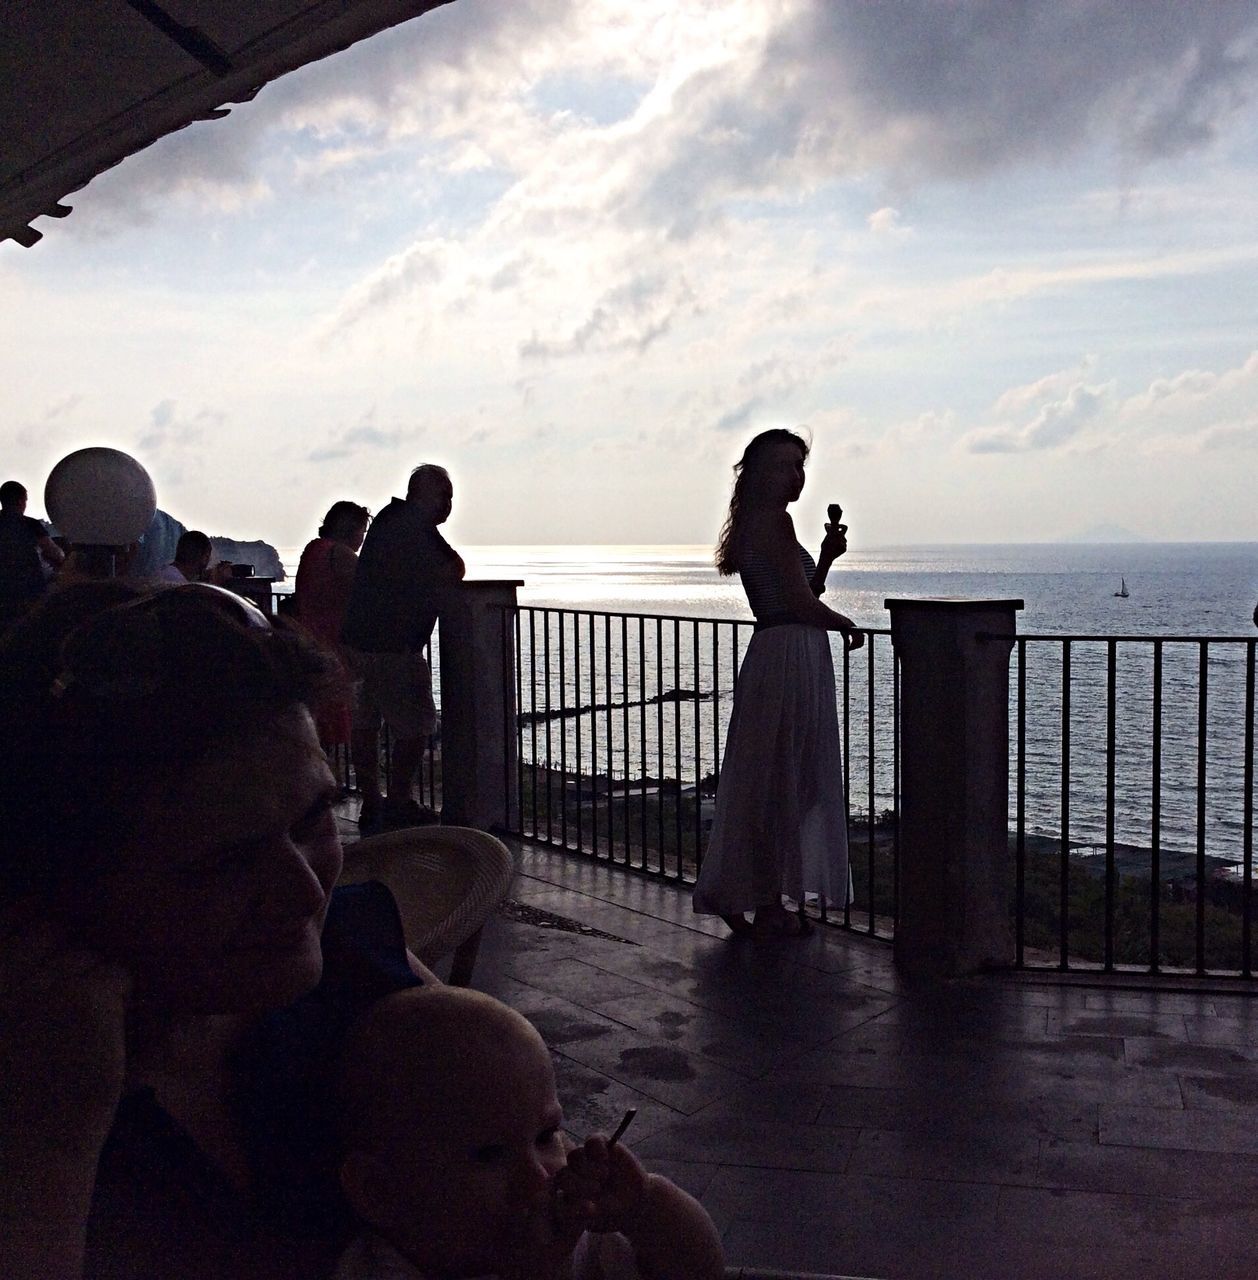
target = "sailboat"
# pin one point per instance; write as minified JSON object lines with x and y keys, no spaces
{"x":1122,"y":593}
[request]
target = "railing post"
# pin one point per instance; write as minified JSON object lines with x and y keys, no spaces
{"x":954,"y":892}
{"x":479,"y":779}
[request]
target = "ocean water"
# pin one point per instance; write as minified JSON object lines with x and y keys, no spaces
{"x":620,"y":664}
{"x":1175,"y":588}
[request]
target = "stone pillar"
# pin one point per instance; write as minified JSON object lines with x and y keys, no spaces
{"x":955,"y":869}
{"x":479,"y":775}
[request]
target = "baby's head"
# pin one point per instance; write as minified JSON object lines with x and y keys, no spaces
{"x":451,"y":1127}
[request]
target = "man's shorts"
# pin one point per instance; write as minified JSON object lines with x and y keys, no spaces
{"x":398,"y":688}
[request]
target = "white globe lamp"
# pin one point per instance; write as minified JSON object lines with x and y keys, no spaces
{"x":100,"y":497}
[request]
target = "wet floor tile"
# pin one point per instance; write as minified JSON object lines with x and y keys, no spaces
{"x":1097,"y":1022}
{"x":1222,"y":1130}
{"x":750,"y":1142}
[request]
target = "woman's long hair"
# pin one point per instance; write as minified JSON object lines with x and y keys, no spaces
{"x":343,"y":518}
{"x":746,"y":471}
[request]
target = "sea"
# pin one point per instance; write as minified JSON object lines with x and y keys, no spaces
{"x":1185,"y":591}
{"x":1196,"y":589}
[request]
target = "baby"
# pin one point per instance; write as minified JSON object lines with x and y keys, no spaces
{"x":454,"y":1157}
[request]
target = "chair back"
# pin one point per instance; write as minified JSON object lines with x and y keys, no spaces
{"x":446,"y":880}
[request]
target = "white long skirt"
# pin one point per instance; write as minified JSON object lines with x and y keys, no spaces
{"x":781,"y":823}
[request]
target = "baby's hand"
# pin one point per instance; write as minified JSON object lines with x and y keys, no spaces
{"x":603,"y":1185}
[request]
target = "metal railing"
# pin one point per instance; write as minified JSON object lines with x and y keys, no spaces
{"x":1132,"y":764}
{"x":1131,"y":767}
{"x":621,"y":722}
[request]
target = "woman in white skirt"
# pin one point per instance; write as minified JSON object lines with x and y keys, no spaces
{"x":781,"y":821}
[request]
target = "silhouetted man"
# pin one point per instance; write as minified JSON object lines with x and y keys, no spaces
{"x":405,"y":571}
{"x":23,"y":541}
{"x":191,"y":562}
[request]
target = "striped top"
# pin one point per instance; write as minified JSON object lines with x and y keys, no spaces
{"x":763,"y":584}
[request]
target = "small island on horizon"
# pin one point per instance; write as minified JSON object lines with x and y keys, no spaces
{"x":1105,"y":533}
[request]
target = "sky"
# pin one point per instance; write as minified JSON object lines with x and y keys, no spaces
{"x":998,"y":261}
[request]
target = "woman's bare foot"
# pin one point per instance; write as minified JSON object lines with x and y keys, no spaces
{"x":777,"y":922}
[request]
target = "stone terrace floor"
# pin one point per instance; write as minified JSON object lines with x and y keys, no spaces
{"x":833,"y":1118}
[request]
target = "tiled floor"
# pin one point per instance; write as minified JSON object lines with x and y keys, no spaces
{"x":833,"y":1118}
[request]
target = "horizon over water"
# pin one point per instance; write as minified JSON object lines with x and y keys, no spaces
{"x":1067,"y":588}
{"x":1176,"y":588}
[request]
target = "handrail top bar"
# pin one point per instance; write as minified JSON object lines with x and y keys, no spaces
{"x":1132,"y":639}
{"x":953,"y":602}
{"x":656,"y":617}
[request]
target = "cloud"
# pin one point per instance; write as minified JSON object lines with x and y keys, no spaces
{"x":772,"y":389}
{"x":172,"y":443}
{"x":915,"y":92}
{"x":967,"y":87}
{"x":1236,"y":435}
{"x":1052,"y":385}
{"x":886,"y":222}
{"x":364,"y":436}
{"x":1192,"y":390}
{"x":1055,"y":423}
{"x":48,"y":424}
{"x":167,"y":431}
{"x":630,"y":316}
{"x":1195,"y":411}
{"x":420,"y":267}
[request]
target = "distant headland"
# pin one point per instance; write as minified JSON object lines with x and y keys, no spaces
{"x":1105,"y":533}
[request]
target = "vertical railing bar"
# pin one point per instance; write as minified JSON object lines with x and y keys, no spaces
{"x":432,"y":765}
{"x":506,"y":724}
{"x":895,"y":788}
{"x":611,"y":737}
{"x":659,"y":739}
{"x":549,"y":772}
{"x":869,"y":677}
{"x":677,"y":742}
{"x":1248,"y":806}
{"x":533,"y":708}
{"x":563,"y":732}
{"x":593,"y":741}
{"x":697,"y":749}
{"x":847,"y":770}
{"x":1203,"y":665}
{"x":579,"y":766}
{"x":642,"y":733}
{"x":519,"y":724}
{"x":716,"y":720}
{"x":1155,"y":819}
{"x":1063,"y":887}
{"x":624,"y":697}
{"x":1019,"y":918}
{"x":1111,"y":708}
